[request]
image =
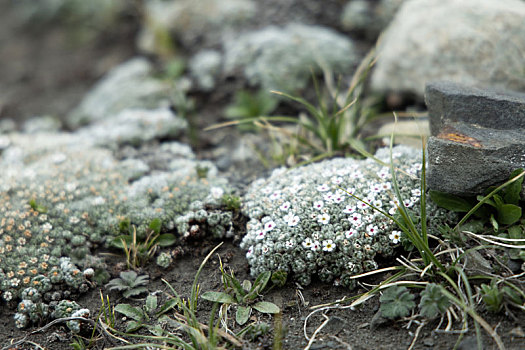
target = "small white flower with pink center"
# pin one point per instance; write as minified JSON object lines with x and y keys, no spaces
{"x":355,"y":218}
{"x":356,"y":175}
{"x":285,"y":206}
{"x":416,"y":192}
{"x":265,"y":249}
{"x":275,"y":196}
{"x":384,"y":173}
{"x":293,"y":220}
{"x":249,"y":253}
{"x":395,"y":236}
{"x":386,"y":186}
{"x":323,"y":219}
{"x":350,"y":190}
{"x":376,"y":188}
{"x":372,"y":230}
{"x":362,"y":205}
{"x":318,"y":205}
{"x":337,"y":180}
{"x":289,"y":244}
{"x":408,"y":202}
{"x":349,"y":209}
{"x":260,"y":235}
{"x":328,"y":245}
{"x":270,"y":225}
{"x":328,"y":197}
{"x":315,"y":246}
{"x":323,"y":188}
{"x":338,"y":197}
{"x":350,"y":233}
{"x":267,"y":190}
{"x":392,"y":210}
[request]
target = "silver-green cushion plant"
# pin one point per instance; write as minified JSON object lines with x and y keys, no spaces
{"x":303,"y":221}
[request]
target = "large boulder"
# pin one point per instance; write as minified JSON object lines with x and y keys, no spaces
{"x":474,"y":42}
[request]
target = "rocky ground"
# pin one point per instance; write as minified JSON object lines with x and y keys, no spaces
{"x":103,"y":111}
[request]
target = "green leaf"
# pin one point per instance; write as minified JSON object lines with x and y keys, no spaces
{"x":494,"y":223}
{"x":515,"y":232}
{"x":512,"y":191}
{"x":134,"y":292}
{"x":492,"y":297}
{"x":450,"y":202}
{"x":130,"y":311}
{"x":242,"y":314}
{"x":218,"y":297}
{"x":151,"y":304}
{"x":512,"y":295}
{"x":509,"y":214}
{"x":168,"y":305}
{"x":266,"y":307}
{"x":132,"y":326}
{"x":433,"y":301}
{"x":279,"y":278}
{"x":118,"y":242}
{"x":396,"y":302}
{"x":155,"y":225}
{"x":247,"y":285}
{"x":165,"y":240}
{"x":37,"y":207}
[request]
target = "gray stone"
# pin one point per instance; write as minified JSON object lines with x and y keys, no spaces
{"x":474,"y":42}
{"x":369,"y":17}
{"x":466,"y":159}
{"x":450,"y":102}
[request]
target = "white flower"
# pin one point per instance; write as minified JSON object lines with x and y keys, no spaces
{"x":324,"y":219}
{"x":328,"y":245}
{"x":337,"y":180}
{"x":384,"y":173}
{"x":285,"y":206}
{"x":350,"y":190}
{"x":249,"y":253}
{"x":372,"y":230}
{"x":74,"y":220}
{"x":307,"y":243}
{"x":349,"y":209}
{"x":392,"y":210}
{"x":318,"y":205}
{"x":356,"y":175}
{"x":362,"y":205}
{"x":408,"y":202}
{"x":315,"y":246}
{"x":416,"y":192}
{"x":98,"y":201}
{"x":265,"y":249}
{"x":8,"y":296}
{"x":216,"y":192}
{"x":275,"y":195}
{"x":395,"y":236}
{"x":270,"y":225}
{"x":377,"y":203}
{"x":47,"y":226}
{"x":293,"y":220}
{"x":323,"y":188}
{"x":328,"y":197}
{"x":376,"y":188}
{"x":386,"y":186}
{"x":355,"y":218}
{"x":289,"y":244}
{"x":350,"y":233}
{"x":338,"y":197}
{"x":260,"y":235}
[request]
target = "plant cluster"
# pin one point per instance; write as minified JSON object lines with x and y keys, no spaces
{"x":307,"y":221}
{"x":129,"y":283}
{"x":59,"y":201}
{"x":243,"y":295}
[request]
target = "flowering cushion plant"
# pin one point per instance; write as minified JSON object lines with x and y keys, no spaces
{"x":306,"y":221}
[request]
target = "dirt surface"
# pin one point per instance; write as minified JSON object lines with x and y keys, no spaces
{"x":347,"y":329}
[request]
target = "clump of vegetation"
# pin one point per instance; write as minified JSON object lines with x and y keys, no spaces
{"x":129,"y":283}
{"x":243,"y":295}
{"x":247,"y":106}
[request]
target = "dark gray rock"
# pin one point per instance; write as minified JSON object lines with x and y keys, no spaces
{"x":465,"y":159}
{"x":451,"y":102}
